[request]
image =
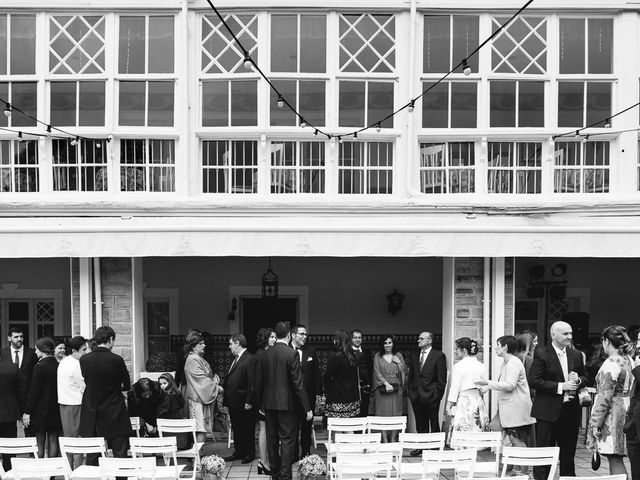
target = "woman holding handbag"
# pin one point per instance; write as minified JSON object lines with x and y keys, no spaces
{"x":613,"y":384}
{"x":389,"y":381}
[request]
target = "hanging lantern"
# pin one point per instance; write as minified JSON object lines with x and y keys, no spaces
{"x":270,"y":283}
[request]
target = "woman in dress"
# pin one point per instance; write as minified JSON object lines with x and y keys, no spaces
{"x":41,"y":410}
{"x":341,"y":382}
{"x":202,"y":385}
{"x":613,"y":386}
{"x":465,"y":403}
{"x":265,"y":339}
{"x":512,"y":392}
{"x":389,"y":381}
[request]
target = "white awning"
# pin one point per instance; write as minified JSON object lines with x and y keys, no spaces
{"x":446,"y":235}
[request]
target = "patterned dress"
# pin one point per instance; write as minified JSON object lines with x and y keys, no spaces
{"x":613,"y":383}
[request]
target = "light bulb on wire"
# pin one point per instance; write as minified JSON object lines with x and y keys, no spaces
{"x":378,"y":127}
{"x":7,"y":110}
{"x":466,"y":69}
{"x":411,"y":106}
{"x":247,"y":61}
{"x":607,"y":123}
{"x":280,"y":102}
{"x":303,"y":124}
{"x":74,"y":142}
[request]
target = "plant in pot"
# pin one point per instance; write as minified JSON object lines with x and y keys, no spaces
{"x":159,"y":363}
{"x":212,"y":466}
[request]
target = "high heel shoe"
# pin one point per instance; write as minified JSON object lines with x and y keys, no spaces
{"x":262,"y":470}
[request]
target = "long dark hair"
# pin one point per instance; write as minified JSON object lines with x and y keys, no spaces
{"x":344,"y":345}
{"x":172,"y":388}
{"x":383,"y":339}
{"x":617,"y":336}
{"x":262,"y":338}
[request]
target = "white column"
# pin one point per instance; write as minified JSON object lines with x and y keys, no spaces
{"x":86,"y":298}
{"x":448,"y":317}
{"x":138,"y":347}
{"x":497,"y":315}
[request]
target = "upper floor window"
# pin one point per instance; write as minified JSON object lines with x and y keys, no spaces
{"x":450,"y":105}
{"x":17,"y":44}
{"x":298,"y":43}
{"x":24,"y":95}
{"x":521,"y":47}
{"x":516,"y":103}
{"x":77,"y":103}
{"x":586,"y":45}
{"x":367,"y":43}
{"x":229,"y":103}
{"x":145,"y":103}
{"x":364,"y":102}
{"x":19,"y":166}
{"x":297,"y":167}
{"x":147,"y":165}
{"x":583,"y":103}
{"x":365,"y":168}
{"x":220,"y":53}
{"x":306,"y":96}
{"x":79,"y":166}
{"x":146,"y":45}
{"x":230,"y":166}
{"x":581,"y":167}
{"x":447,"y":40}
{"x":447,"y":167}
{"x":515,"y":167}
{"x":76,"y":44}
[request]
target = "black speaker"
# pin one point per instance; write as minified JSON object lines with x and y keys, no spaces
{"x":579,"y":322}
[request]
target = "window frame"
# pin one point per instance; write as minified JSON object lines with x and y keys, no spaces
{"x":298,"y":168}
{"x":366,"y":169}
{"x":147,"y":165}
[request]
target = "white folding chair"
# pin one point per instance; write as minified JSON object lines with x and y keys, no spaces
{"x":532,"y":457}
{"x":83,"y":446}
{"x":345,"y":425}
{"x":461,"y":461}
{"x":385,"y":424}
{"x":419,"y":441}
{"x":363,"y":465}
{"x":136,"y":468}
{"x":351,"y":443}
{"x":17,"y":446}
{"x":135,"y":425}
{"x":41,"y":468}
{"x":184,"y":425}
{"x":622,"y":476}
{"x":480,"y":440}
{"x":165,"y":446}
{"x":515,"y":477}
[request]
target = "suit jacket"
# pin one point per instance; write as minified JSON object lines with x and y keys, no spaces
{"x":311,"y":379}
{"x":544,"y":376}
{"x":365,"y":367}
{"x":103,"y":411}
{"x":279,"y":380}
{"x":9,"y":409}
{"x":632,"y":421}
{"x":237,"y":384}
{"x":514,"y":399}
{"x":29,"y":360}
{"x":427,"y":384}
{"x":42,"y":402}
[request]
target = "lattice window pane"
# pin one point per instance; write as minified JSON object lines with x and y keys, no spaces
{"x":76,"y":44}
{"x":521,"y":47}
{"x":367,"y":43}
{"x":220,"y":53}
{"x":45,"y":312}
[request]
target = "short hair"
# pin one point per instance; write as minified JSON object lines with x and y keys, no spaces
{"x":357,"y":330}
{"x":76,"y":343}
{"x":16,"y":329}
{"x":91,"y":343}
{"x":104,"y":334}
{"x":383,"y":338}
{"x":465,"y":343}
{"x":191,"y":340}
{"x":509,"y":342}
{"x":262,"y":338}
{"x":297,"y":327}
{"x":282,"y":330}
{"x":240,"y":339}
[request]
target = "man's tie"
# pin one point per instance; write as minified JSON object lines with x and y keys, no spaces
{"x":299,"y":352}
{"x":17,"y":358}
{"x":233,"y":363}
{"x":423,"y":356}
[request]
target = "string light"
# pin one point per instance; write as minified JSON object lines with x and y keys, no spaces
{"x":19,"y":136}
{"x":74,"y":142}
{"x":302,"y":122}
{"x":466,"y":69}
{"x":411,"y":106}
{"x":280,"y":102}
{"x":247,"y":61}
{"x":577,"y":135}
{"x":585,"y":139}
{"x":48,"y":130}
{"x":340,"y":140}
{"x":355,"y":135}
{"x":7,"y":110}
{"x":316,"y":132}
{"x":607,"y":123}
{"x":378,"y":127}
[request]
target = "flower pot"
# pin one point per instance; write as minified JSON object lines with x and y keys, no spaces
{"x":211,"y":476}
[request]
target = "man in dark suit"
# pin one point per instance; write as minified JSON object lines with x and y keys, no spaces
{"x":364,"y":371}
{"x":26,"y":359}
{"x":236,"y":398}
{"x":556,"y":373}
{"x":9,"y":409}
{"x":281,"y":396}
{"x":103,"y":412}
{"x":311,"y":381}
{"x":427,"y":382}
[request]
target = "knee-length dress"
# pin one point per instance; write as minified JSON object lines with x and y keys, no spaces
{"x":393,"y":372}
{"x":613,"y":385}
{"x":470,"y":411}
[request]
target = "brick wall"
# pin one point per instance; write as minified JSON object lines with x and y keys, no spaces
{"x":509,"y":295}
{"x":469,"y":290}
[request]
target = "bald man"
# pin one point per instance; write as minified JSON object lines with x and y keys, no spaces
{"x":556,"y":373}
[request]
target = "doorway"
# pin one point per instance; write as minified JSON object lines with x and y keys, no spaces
{"x":261,"y":312}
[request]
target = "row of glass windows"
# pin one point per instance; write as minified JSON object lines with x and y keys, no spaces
{"x":231,"y":166}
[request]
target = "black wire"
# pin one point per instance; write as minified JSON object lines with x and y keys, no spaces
{"x":577,"y":131}
{"x":48,"y":125}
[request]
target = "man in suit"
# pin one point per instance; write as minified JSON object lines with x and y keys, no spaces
{"x":281,"y":396}
{"x":9,"y":409}
{"x":364,"y":371}
{"x":236,"y":398}
{"x":556,"y":373}
{"x":26,"y":359}
{"x":427,"y":383}
{"x":311,"y":381}
{"x":103,"y":412}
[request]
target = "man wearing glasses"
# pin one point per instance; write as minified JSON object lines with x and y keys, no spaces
{"x":311,"y":381}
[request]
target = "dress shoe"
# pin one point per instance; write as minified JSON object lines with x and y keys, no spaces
{"x":231,"y":458}
{"x":247,"y":459}
{"x":262,"y":470}
{"x":416,"y":453}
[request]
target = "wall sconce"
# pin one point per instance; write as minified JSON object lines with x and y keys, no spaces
{"x":395,"y":299}
{"x":234,"y":308}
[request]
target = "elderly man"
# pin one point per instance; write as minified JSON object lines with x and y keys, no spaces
{"x":556,"y":373}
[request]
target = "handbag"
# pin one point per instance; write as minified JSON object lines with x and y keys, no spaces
{"x":595,"y":461}
{"x":383,"y":389}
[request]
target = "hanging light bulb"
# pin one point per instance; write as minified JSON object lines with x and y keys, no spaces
{"x":302,"y":123}
{"x":7,"y":110}
{"x":355,"y":135}
{"x":340,"y":140}
{"x":280,"y":101}
{"x":378,"y":127}
{"x":585,"y":139}
{"x":466,"y":69}
{"x":19,"y":136}
{"x":316,"y":132}
{"x":607,"y":123}
{"x":48,"y":130}
{"x":577,"y":134}
{"x":411,"y":106}
{"x":247,"y":61}
{"x":99,"y":143}
{"x":74,"y":142}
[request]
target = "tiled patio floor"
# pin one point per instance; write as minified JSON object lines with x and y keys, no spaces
{"x":237,"y":471}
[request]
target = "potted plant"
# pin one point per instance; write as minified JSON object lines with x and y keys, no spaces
{"x":159,"y":363}
{"x":212,"y":467}
{"x":311,"y":466}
